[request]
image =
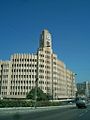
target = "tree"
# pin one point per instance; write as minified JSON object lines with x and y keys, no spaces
{"x":40,"y":95}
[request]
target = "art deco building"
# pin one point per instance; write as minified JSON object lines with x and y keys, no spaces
{"x":19,"y":75}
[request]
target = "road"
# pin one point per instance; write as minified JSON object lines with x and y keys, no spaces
{"x":69,"y":113}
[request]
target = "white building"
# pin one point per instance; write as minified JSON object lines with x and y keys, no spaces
{"x":84,"y":88}
{"x":18,"y":76}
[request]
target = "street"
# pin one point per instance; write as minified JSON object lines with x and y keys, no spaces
{"x":69,"y":113}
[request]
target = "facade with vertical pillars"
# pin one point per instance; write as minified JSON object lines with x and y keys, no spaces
{"x":18,"y":76}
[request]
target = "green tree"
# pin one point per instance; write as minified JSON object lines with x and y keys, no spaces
{"x":40,"y":95}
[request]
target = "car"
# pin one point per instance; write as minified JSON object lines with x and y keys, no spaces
{"x":81,"y":102}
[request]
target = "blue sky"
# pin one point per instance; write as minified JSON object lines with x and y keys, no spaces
{"x":21,"y":22}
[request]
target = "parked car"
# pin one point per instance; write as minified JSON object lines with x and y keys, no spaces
{"x":81,"y":102}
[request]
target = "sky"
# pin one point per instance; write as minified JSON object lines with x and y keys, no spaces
{"x":21,"y":22}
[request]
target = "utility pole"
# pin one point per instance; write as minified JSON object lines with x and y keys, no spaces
{"x":75,"y":74}
{"x":36,"y":81}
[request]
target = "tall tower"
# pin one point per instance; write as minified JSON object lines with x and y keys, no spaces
{"x":45,"y":39}
{"x":44,"y":62}
{"x":87,"y":89}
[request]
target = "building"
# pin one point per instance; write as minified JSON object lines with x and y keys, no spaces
{"x":18,"y":76}
{"x":84,"y":88}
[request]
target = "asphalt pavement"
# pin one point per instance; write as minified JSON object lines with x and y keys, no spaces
{"x":46,"y":113}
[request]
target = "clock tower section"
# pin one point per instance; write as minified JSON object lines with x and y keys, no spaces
{"x":45,"y":39}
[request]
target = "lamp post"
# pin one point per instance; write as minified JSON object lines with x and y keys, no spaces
{"x":75,"y":85}
{"x":36,"y":81}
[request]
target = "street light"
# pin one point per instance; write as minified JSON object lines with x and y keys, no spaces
{"x":75,"y":85}
{"x":36,"y":81}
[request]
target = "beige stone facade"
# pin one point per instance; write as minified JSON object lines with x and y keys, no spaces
{"x":18,"y":76}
